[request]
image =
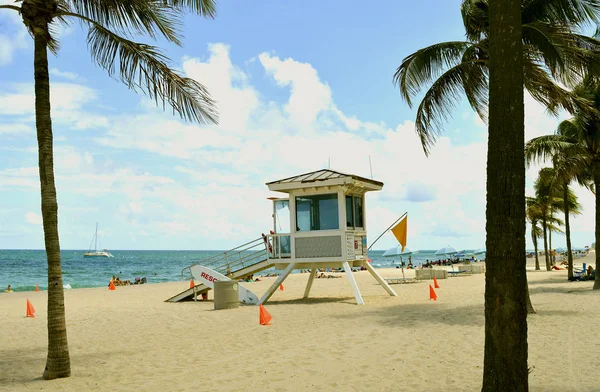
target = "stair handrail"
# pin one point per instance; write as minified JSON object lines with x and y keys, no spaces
{"x":221,"y":260}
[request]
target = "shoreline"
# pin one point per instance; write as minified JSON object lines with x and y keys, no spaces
{"x":530,"y":267}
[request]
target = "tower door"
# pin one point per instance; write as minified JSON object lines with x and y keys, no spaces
{"x":281,"y":225}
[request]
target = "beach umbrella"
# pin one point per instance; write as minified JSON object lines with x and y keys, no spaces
{"x":397,"y":251}
{"x":447,"y":250}
{"x":479,"y":251}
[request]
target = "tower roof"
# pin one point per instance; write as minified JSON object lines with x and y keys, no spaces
{"x":324,"y":177}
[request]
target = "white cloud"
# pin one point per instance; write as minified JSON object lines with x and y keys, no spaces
{"x":64,"y":96}
{"x":64,"y":74}
{"x":16,"y":129}
{"x":17,"y":37}
{"x":309,"y":96}
{"x":33,"y":218}
{"x":69,"y":102}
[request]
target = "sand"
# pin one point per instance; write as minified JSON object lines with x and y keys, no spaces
{"x":130,"y":340}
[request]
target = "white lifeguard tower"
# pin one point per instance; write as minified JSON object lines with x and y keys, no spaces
{"x":320,"y":224}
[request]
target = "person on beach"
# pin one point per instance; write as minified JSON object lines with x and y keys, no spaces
{"x":589,"y":273}
{"x":8,"y":290}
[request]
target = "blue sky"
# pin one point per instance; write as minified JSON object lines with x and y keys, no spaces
{"x":298,"y":83}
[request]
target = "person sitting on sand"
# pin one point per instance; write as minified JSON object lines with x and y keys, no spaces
{"x":8,"y":290}
{"x":589,"y":272}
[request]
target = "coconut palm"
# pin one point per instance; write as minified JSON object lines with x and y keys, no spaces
{"x":534,"y":216}
{"x":577,"y":142}
{"x":111,"y":25}
{"x":505,"y":352}
{"x":547,"y":203}
{"x":552,"y":52}
{"x":554,"y":195}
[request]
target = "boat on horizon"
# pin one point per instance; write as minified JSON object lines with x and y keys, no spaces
{"x":96,"y":253}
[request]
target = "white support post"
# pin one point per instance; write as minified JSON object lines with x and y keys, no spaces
{"x":381,"y":281}
{"x":275,"y":285}
{"x":313,"y":271}
{"x":353,"y":284}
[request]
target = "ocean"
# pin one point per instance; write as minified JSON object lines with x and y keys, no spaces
{"x":23,"y":269}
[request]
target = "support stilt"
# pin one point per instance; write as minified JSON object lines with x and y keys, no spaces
{"x":353,"y":284}
{"x":275,"y":285}
{"x":313,"y":271}
{"x":381,"y":281}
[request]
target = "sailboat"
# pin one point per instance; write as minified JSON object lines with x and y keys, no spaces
{"x":95,"y":253}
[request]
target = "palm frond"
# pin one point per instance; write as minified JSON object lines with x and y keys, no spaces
{"x":573,"y":203}
{"x":545,"y":91}
{"x":426,"y":64}
{"x":537,"y":231}
{"x":555,"y":226}
{"x":475,"y":82}
{"x":571,"y":12}
{"x":537,"y":37}
{"x":206,"y":8}
{"x":131,"y":17}
{"x":442,"y":97}
{"x":475,"y":15}
{"x":144,"y":67}
{"x":544,"y":148}
{"x":10,"y":7}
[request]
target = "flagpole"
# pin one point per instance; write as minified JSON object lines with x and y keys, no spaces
{"x":386,"y":230}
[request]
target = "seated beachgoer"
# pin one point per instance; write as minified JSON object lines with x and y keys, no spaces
{"x":8,"y":289}
{"x":588,"y":273}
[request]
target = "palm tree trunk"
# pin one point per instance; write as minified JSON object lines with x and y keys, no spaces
{"x":596,"y":187}
{"x":550,"y":248}
{"x":505,"y":353}
{"x":530,"y":309}
{"x":535,"y":248}
{"x":58,"y":361}
{"x":545,"y":229}
{"x":568,"y":231}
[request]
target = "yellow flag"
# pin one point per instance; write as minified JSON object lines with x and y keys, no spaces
{"x":399,"y":232}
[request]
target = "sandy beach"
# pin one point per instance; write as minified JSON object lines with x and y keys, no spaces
{"x":131,"y":340}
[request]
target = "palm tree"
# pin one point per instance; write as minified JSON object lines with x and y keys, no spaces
{"x":534,"y":216}
{"x":566,"y":170}
{"x":505,"y":353}
{"x":547,"y":204}
{"x":577,"y":142}
{"x":141,"y":67}
{"x":552,"y":52}
{"x":554,"y":195}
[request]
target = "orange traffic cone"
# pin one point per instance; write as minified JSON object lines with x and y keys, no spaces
{"x":435,"y":283}
{"x":265,"y":317}
{"x":192,"y":284}
{"x":37,"y":289}
{"x":432,"y":295}
{"x":281,"y":286}
{"x":30,"y":310}
{"x":111,"y":286}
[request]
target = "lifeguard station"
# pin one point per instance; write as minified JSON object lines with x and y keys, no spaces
{"x":320,"y":224}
